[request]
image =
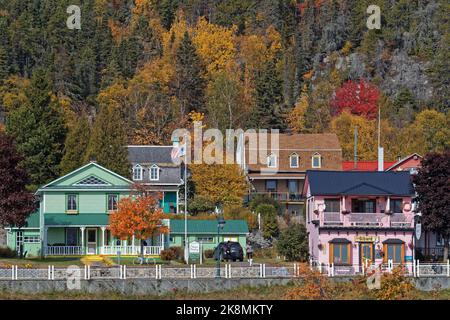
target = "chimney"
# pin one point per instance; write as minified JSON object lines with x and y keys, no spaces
{"x":92,"y":159}
{"x":380,"y":159}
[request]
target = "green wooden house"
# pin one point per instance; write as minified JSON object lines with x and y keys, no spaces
{"x":205,"y":232}
{"x":73,"y":217}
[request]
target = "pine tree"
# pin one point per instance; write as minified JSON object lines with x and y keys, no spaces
{"x":39,"y":130}
{"x":189,"y":83}
{"x":3,"y":65}
{"x":108,"y":141}
{"x":16,"y":203}
{"x":269,"y":98}
{"x":75,"y":146}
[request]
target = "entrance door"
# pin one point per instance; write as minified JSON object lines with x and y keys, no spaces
{"x":91,"y":241}
{"x":366,"y":253}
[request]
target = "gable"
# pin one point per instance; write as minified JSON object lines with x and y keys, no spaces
{"x":91,"y":175}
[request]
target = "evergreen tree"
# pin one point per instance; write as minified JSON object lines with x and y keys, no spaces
{"x":16,"y":203}
{"x":189,"y":83}
{"x":76,"y":145}
{"x":269,"y":98}
{"x":39,"y":129}
{"x":3,"y":65}
{"x":108,"y":141}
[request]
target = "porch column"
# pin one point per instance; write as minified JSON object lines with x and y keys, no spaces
{"x":102,"y":249}
{"x":44,"y":240}
{"x":177,"y":203}
{"x":82,"y":239}
{"x":125,"y":246}
{"x":133,"y":251}
{"x":388,"y":203}
{"x":161,"y":243}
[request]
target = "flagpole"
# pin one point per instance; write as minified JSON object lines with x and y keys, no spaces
{"x":186,"y":257}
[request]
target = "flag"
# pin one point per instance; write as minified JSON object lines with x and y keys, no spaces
{"x":178,"y":152}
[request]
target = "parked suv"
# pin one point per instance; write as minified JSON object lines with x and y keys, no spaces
{"x":229,"y":251}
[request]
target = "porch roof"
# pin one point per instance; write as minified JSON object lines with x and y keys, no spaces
{"x":91,"y":219}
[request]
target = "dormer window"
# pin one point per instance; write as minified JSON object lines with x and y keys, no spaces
{"x":272,"y":161}
{"x":154,"y":173}
{"x":137,"y":172}
{"x":293,"y":160}
{"x":316,"y":161}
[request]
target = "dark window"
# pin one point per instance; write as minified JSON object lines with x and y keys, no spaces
{"x":332,"y":205}
{"x":293,"y":186}
{"x":271,"y":185}
{"x":72,"y":202}
{"x":363,"y":206}
{"x":395,"y":252}
{"x":71,"y":236}
{"x":396,"y":205}
{"x":112,"y":202}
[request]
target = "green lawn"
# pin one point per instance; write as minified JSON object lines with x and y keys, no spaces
{"x":56,"y":261}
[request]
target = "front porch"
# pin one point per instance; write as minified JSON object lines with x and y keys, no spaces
{"x":94,"y":240}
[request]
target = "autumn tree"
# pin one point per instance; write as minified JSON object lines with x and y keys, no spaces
{"x":429,"y":132}
{"x":16,"y":202}
{"x":39,"y":130}
{"x":108,"y":141}
{"x":361,"y":98}
{"x":219,"y":183}
{"x":139,"y":216}
{"x":432,"y":184}
{"x":297,"y":117}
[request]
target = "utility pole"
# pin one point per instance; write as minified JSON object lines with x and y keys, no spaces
{"x":355,"y":149}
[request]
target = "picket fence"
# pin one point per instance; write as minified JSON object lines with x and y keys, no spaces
{"x":227,"y":271}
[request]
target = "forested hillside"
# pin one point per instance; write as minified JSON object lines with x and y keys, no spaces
{"x":137,"y":69}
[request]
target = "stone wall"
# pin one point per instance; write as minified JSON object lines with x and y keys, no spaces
{"x":159,"y":287}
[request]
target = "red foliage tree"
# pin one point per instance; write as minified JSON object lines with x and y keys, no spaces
{"x":16,"y":202}
{"x":361,"y":98}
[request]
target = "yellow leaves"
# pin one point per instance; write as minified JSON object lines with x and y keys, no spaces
{"x":347,"y":48}
{"x":223,"y":183}
{"x":296,"y":119}
{"x":215,"y":44}
{"x":12,"y":93}
{"x":118,"y":31}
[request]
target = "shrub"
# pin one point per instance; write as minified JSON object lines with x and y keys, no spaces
{"x":314,"y":286}
{"x":263,"y":199}
{"x":209,"y":253}
{"x":265,"y":253}
{"x":293,"y":243}
{"x":395,"y":286}
{"x":6,"y":252}
{"x":172,"y":253}
{"x":269,"y":217}
{"x":200,"y":205}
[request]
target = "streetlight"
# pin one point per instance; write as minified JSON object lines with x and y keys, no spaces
{"x":220,"y":224}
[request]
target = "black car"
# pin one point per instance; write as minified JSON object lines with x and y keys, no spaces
{"x":229,"y":251}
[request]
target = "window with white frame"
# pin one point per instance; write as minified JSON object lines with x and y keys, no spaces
{"x":293,"y":160}
{"x":272,"y":160}
{"x":137,"y":172}
{"x":154,"y":173}
{"x":316,"y":160}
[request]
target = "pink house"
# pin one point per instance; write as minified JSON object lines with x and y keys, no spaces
{"x":359,"y":217}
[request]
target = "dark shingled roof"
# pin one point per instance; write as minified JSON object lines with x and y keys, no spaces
{"x":149,"y":154}
{"x":359,"y":183}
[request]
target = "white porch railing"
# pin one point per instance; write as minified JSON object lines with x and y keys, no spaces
{"x":131,"y":250}
{"x":63,"y":250}
{"x":107,"y":250}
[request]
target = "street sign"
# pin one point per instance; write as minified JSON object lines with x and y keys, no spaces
{"x":194,"y":247}
{"x":418,"y":230}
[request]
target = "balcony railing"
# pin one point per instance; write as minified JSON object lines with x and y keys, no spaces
{"x":280,"y":196}
{"x":355,"y":219}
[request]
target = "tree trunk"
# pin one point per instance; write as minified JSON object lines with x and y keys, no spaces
{"x":446,"y":248}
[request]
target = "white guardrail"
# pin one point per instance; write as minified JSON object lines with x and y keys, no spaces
{"x":227,"y":271}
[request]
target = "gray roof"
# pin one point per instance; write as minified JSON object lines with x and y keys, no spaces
{"x":359,"y":183}
{"x":149,"y":154}
{"x":146,"y":156}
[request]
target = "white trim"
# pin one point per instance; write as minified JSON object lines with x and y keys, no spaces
{"x":138,"y":166}
{"x":296,"y":149}
{"x":85,"y":190}
{"x":293,"y":155}
{"x":153,"y":167}
{"x":81,"y":168}
{"x":403,"y":160}
{"x":275,"y":161}
{"x":315,"y":155}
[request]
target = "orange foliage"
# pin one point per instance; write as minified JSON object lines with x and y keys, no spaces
{"x":315,"y":286}
{"x":138,"y":215}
